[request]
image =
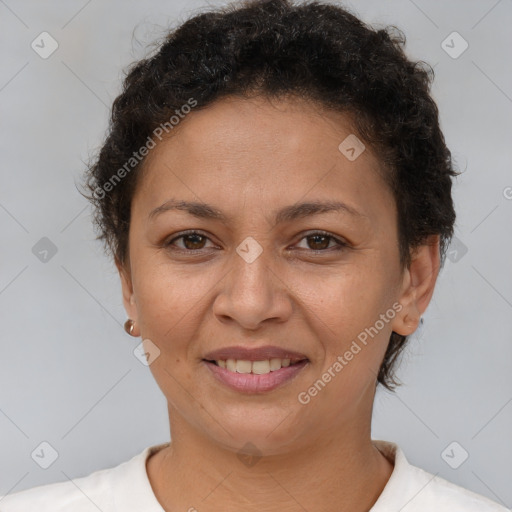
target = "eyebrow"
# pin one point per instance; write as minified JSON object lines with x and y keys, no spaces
{"x":286,"y":214}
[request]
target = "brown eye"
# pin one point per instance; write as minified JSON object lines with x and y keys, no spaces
{"x":192,"y":241}
{"x":319,"y":242}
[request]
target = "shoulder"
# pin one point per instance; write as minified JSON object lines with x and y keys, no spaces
{"x":439,"y":494}
{"x":85,"y":494}
{"x":106,"y":490}
{"x":412,"y":489}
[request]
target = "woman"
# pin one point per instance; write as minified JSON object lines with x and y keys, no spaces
{"x":275,"y":191}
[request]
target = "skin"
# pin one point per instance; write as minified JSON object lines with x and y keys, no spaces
{"x":249,"y":157}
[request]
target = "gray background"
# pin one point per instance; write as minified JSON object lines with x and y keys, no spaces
{"x":68,"y":375}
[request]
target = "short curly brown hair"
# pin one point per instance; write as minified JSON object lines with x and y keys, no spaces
{"x":314,"y":51}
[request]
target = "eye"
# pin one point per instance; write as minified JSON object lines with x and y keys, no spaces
{"x":321,"y":240}
{"x":194,"y":241}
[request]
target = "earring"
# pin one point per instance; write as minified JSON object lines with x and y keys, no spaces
{"x":129,"y":326}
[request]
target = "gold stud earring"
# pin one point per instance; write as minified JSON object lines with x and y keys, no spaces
{"x":129,"y":326}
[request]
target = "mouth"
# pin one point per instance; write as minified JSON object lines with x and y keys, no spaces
{"x":255,"y":377}
{"x":262,"y":367}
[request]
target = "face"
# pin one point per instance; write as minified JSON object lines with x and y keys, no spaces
{"x":265,"y":272}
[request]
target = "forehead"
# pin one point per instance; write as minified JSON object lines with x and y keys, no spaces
{"x":260,"y":152}
{"x":289,"y":125}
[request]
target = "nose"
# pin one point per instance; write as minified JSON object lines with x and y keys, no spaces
{"x":252,"y":292}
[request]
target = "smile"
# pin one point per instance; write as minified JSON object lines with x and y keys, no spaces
{"x":256,"y":367}
{"x":255,"y":376}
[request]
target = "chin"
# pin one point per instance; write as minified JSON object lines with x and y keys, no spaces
{"x":269,"y":435}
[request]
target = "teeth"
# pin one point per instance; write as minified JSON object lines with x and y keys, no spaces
{"x":255,"y":367}
{"x":275,"y":364}
{"x":260,"y":367}
{"x":243,"y":366}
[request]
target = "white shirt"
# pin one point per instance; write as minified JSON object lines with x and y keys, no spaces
{"x":126,"y":488}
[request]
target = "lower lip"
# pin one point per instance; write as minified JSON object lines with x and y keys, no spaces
{"x":251,"y":383}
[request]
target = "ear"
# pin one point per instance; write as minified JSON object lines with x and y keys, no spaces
{"x":127,"y":289}
{"x":418,"y":285}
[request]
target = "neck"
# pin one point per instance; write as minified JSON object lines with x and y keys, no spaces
{"x":339,"y":470}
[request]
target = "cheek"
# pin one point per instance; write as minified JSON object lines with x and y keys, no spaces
{"x":173,"y":303}
{"x":164,"y":300}
{"x":343,"y":300}
{"x":343,"y":311}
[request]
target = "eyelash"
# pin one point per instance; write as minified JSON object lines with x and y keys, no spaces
{"x":341,"y":244}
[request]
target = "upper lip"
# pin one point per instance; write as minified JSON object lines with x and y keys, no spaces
{"x":253,"y":354}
